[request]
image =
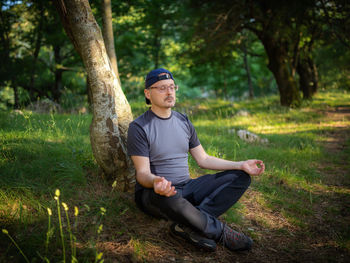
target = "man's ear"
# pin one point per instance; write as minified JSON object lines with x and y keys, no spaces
{"x":147,"y":95}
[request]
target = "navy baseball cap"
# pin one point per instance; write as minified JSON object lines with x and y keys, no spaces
{"x":153,"y":77}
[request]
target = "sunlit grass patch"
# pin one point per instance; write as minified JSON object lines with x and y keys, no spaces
{"x":330,"y":98}
{"x":20,"y":205}
{"x":292,"y":182}
{"x":34,"y":146}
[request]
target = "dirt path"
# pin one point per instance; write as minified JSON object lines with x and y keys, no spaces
{"x":336,"y":144}
{"x":327,"y":225}
{"x":330,"y":219}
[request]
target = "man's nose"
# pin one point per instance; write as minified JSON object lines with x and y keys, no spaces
{"x":169,"y":90}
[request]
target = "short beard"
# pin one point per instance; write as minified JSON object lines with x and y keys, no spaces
{"x":168,"y":97}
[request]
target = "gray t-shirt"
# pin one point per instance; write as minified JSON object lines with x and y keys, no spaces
{"x":166,"y":142}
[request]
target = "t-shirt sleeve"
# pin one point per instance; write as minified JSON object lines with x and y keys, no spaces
{"x":137,"y":142}
{"x":194,"y":141}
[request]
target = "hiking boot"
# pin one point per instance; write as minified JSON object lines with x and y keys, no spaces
{"x":193,"y":237}
{"x":234,"y":240}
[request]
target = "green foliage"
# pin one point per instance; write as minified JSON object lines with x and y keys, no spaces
{"x":6,"y":98}
{"x":39,"y":60}
{"x":335,"y":73}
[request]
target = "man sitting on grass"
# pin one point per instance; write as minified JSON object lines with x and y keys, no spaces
{"x":158,"y":143}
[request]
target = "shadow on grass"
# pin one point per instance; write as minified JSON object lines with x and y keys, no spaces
{"x":293,"y":188}
{"x":43,"y":165}
{"x":29,"y":230}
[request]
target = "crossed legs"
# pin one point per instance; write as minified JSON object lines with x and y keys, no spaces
{"x":200,"y":201}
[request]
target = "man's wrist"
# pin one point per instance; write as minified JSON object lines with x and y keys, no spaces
{"x":154,"y":177}
{"x":239,"y":165}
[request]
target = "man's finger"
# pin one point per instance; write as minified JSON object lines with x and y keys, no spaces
{"x":164,"y":184}
{"x":167,"y":191}
{"x":168,"y":187}
{"x":171,"y":192}
{"x":158,"y":180}
{"x":259,"y":162}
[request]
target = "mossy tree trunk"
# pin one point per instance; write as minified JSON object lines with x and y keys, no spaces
{"x":281,"y":66}
{"x":111,"y":110}
{"x":308,"y":76}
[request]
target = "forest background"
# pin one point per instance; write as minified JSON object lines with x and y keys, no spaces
{"x":211,"y":51}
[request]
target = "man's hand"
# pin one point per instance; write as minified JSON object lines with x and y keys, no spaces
{"x":253,"y":167}
{"x":163,"y":187}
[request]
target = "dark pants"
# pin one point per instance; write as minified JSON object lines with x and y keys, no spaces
{"x":198,"y":202}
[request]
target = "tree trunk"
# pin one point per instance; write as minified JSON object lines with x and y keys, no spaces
{"x":89,"y":92}
{"x":15,"y":91}
{"x":108,"y":35}
{"x":111,"y":111}
{"x":314,"y":75}
{"x":57,"y":88}
{"x":247,"y":69}
{"x":308,"y":77}
{"x":37,"y":49}
{"x":157,"y":47}
{"x":305,"y":79}
{"x":280,"y":66}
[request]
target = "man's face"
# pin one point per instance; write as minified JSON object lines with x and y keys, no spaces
{"x":160,"y":97}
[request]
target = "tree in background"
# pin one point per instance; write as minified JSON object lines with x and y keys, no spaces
{"x":336,"y":16}
{"x":280,"y":26}
{"x":144,"y":30}
{"x":209,"y":45}
{"x":38,"y":55}
{"x":111,"y":110}
{"x":306,"y":67}
{"x":233,"y":66}
{"x":7,"y":65}
{"x":108,"y":35}
{"x":60,"y":58}
{"x":333,"y":54}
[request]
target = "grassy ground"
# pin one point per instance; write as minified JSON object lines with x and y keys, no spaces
{"x":299,"y":210}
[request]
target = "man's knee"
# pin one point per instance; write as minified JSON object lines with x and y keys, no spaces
{"x":241,"y":177}
{"x":175,"y":203}
{"x":160,"y":206}
{"x":175,"y":207}
{"x":164,"y":201}
{"x":245,"y":178}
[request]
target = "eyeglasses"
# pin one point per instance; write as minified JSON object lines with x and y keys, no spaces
{"x":163,"y":89}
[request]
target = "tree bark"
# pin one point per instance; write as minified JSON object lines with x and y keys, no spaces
{"x":247,"y":69}
{"x":108,"y":35}
{"x":37,"y":49}
{"x":308,"y":77}
{"x":111,"y":110}
{"x":314,"y":76}
{"x":57,"y":88}
{"x":281,"y":68}
{"x":89,"y":93}
{"x":15,"y":91}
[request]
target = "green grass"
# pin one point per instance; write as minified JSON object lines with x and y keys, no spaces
{"x":292,"y":181}
{"x":41,"y":152}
